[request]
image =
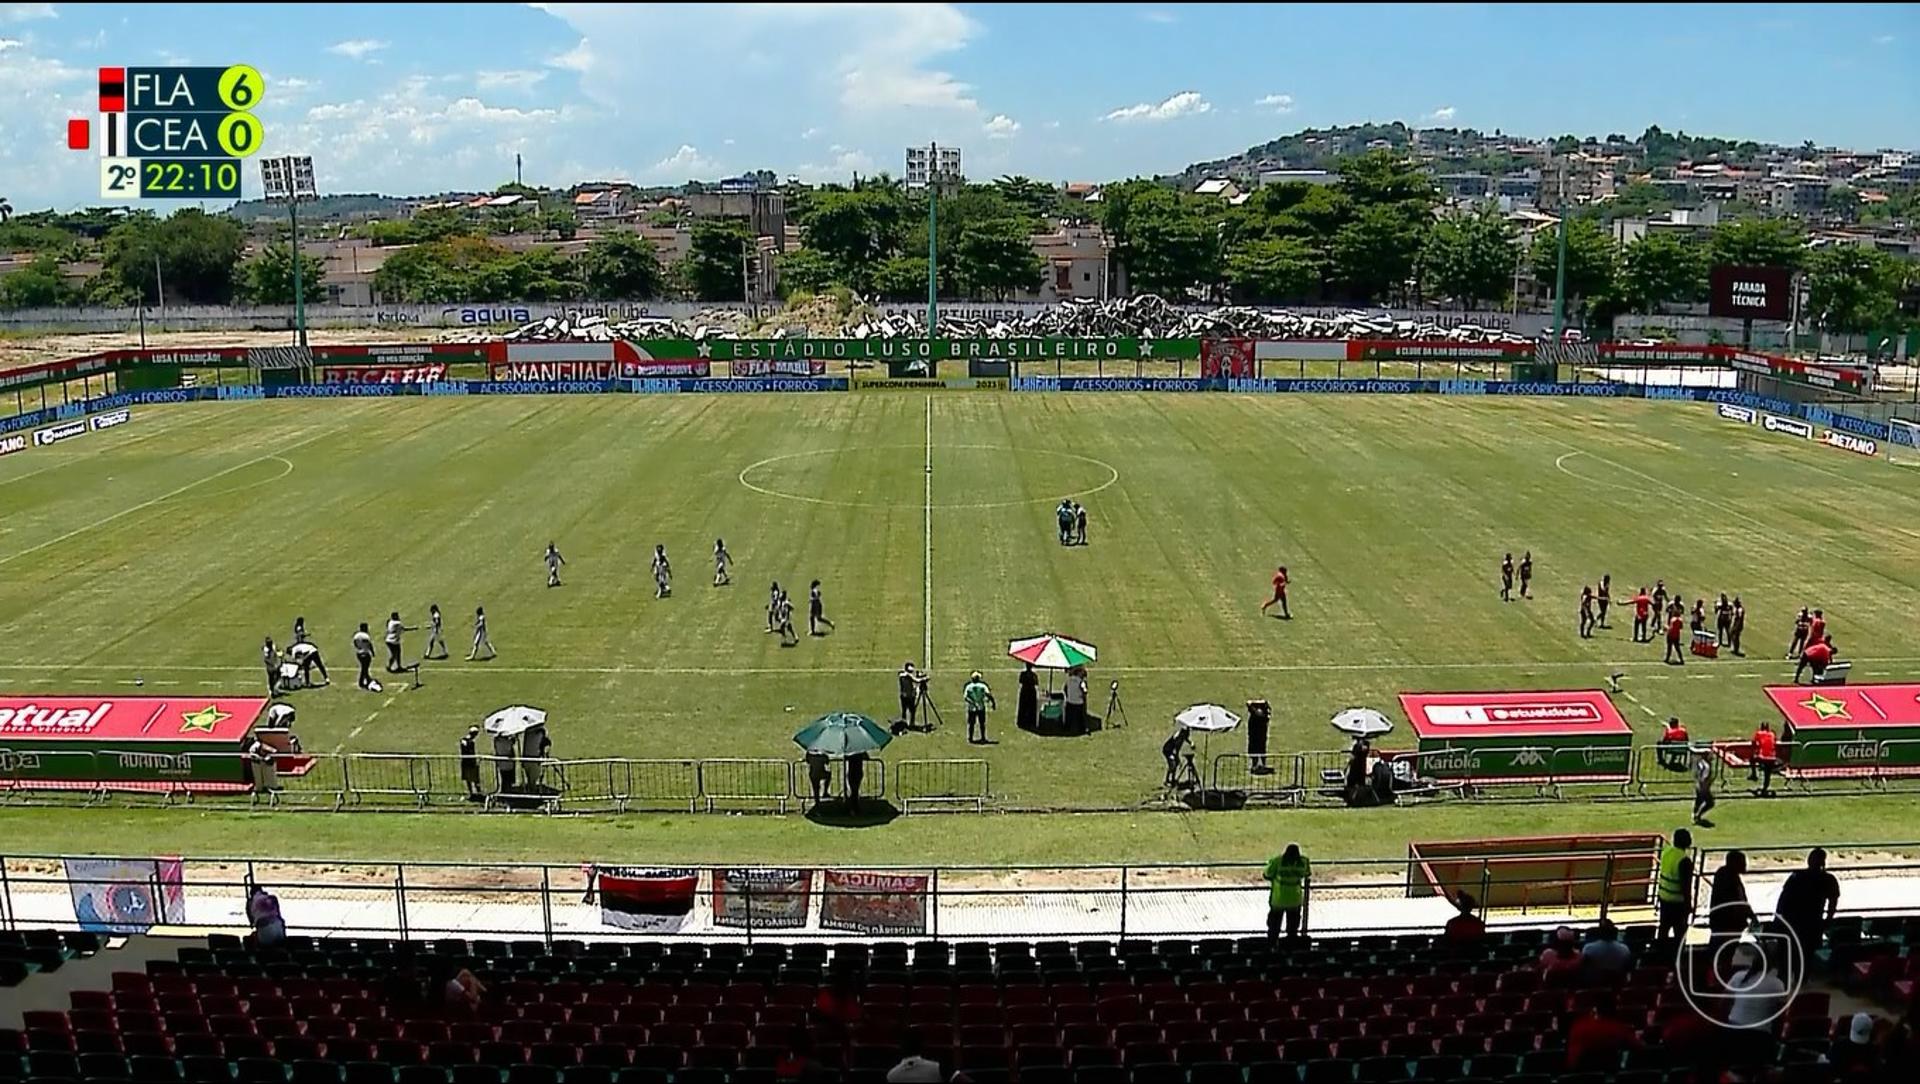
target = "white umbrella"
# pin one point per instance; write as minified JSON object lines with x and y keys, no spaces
{"x":1207,"y":718}
{"x":1362,"y":723}
{"x":514,"y":721}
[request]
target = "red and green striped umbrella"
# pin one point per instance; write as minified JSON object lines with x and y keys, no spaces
{"x":1052,"y":651}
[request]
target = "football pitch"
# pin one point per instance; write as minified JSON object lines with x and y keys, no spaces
{"x":164,"y":550}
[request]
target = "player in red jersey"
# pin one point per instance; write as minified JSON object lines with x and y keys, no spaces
{"x":1279,"y":594}
{"x":1816,"y":657}
{"x":1642,"y":605}
{"x":1817,"y":631}
{"x":1674,"y":655}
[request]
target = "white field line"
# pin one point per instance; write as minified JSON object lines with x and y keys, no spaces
{"x":19,"y":670}
{"x":168,"y":495}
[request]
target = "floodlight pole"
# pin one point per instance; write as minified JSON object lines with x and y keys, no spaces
{"x":933,"y":241}
{"x":299,"y":301}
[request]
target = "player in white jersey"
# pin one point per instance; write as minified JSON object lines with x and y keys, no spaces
{"x":722,"y":562}
{"x":773,"y":605}
{"x":788,"y":637}
{"x":480,"y":635}
{"x":554,"y":561}
{"x":662,"y":573}
{"x":434,"y":635}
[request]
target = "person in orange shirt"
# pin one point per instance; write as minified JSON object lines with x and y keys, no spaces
{"x":1279,"y":594}
{"x":1642,"y":605}
{"x":1817,"y":655}
{"x":1765,"y":760}
{"x":1674,"y":655}
{"x":1817,"y":631}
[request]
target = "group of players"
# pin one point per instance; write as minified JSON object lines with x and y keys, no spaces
{"x":295,"y":667}
{"x":779,"y":606}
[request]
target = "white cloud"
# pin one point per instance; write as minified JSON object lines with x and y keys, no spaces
{"x":1001,"y":127}
{"x":97,"y":41}
{"x":1884,"y":39}
{"x":290,"y":83}
{"x":10,"y":43}
{"x":810,"y":133}
{"x":519,"y":80}
{"x":1157,"y":15}
{"x":685,"y":164}
{"x":1279,"y":103}
{"x":1053,"y":126}
{"x":882,"y":61}
{"x":357,"y":48}
{"x":1444,"y":113}
{"x":841,"y":168}
{"x":21,"y":13}
{"x":1187,"y":103}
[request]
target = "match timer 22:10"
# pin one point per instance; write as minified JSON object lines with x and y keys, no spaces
{"x":175,"y":133}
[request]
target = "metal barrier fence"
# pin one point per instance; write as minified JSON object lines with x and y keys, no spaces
{"x":432,"y":781}
{"x":423,"y":900}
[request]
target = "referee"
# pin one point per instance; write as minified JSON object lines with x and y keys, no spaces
{"x":394,"y":629}
{"x":363,"y":653}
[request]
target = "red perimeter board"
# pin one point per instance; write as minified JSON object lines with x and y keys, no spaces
{"x":1515,"y":715}
{"x":1847,"y":707}
{"x":128,"y":718}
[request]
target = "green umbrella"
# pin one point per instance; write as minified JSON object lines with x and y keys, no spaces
{"x":842,"y":733}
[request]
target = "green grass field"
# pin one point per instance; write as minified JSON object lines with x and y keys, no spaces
{"x":167,"y":548}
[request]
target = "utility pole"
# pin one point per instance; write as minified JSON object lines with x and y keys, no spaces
{"x":516,"y":168}
{"x":299,"y":300}
{"x":290,"y":178}
{"x":1560,"y":268}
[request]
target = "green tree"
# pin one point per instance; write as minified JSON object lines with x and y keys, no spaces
{"x":1470,"y":258}
{"x":1033,"y":200}
{"x":1376,"y":253}
{"x":996,"y":256}
{"x":1657,"y":269}
{"x":1272,"y":270}
{"x":561,"y":222}
{"x":1759,"y":242}
{"x":38,"y":285}
{"x":901,"y":278}
{"x":712,"y":268}
{"x":663,"y":218}
{"x":622,"y":266}
{"x":1592,"y":259}
{"x":856,"y":229}
{"x":1638,"y":200}
{"x":267,"y":279}
{"x":807,"y":272}
{"x":1388,"y":177}
{"x":1853,"y":289}
{"x":1172,"y":248}
{"x":516,"y":219}
{"x":198,"y":255}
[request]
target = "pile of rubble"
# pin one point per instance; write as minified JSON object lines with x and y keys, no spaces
{"x":1143,"y":317}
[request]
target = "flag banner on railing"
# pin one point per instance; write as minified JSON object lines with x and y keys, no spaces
{"x":648,"y":899}
{"x":125,"y":895}
{"x":762,"y":899}
{"x":890,"y":904}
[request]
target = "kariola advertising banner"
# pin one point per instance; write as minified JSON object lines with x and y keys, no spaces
{"x":880,"y":904}
{"x":651,"y":899}
{"x":762,"y":899}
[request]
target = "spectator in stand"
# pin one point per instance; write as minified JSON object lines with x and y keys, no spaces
{"x":1465,"y":928}
{"x":463,"y":993}
{"x":837,"y":1008}
{"x":1560,"y":960}
{"x":1757,"y":996}
{"x":913,"y":1067}
{"x":1286,"y":876}
{"x":1853,"y":1055}
{"x":1728,"y":913}
{"x":263,"y":914}
{"x":1605,"y":958}
{"x":1673,"y":888}
{"x":1807,"y":902}
{"x":1597,"y":1042}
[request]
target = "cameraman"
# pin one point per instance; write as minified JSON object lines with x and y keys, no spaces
{"x":910,"y":684}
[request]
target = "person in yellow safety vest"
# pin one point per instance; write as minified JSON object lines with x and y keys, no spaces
{"x":1286,"y":876}
{"x":1672,"y":889}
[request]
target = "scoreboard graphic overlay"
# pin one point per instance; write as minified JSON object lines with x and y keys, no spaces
{"x":173,"y":133}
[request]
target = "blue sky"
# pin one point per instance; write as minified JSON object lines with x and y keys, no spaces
{"x":422,"y":98}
